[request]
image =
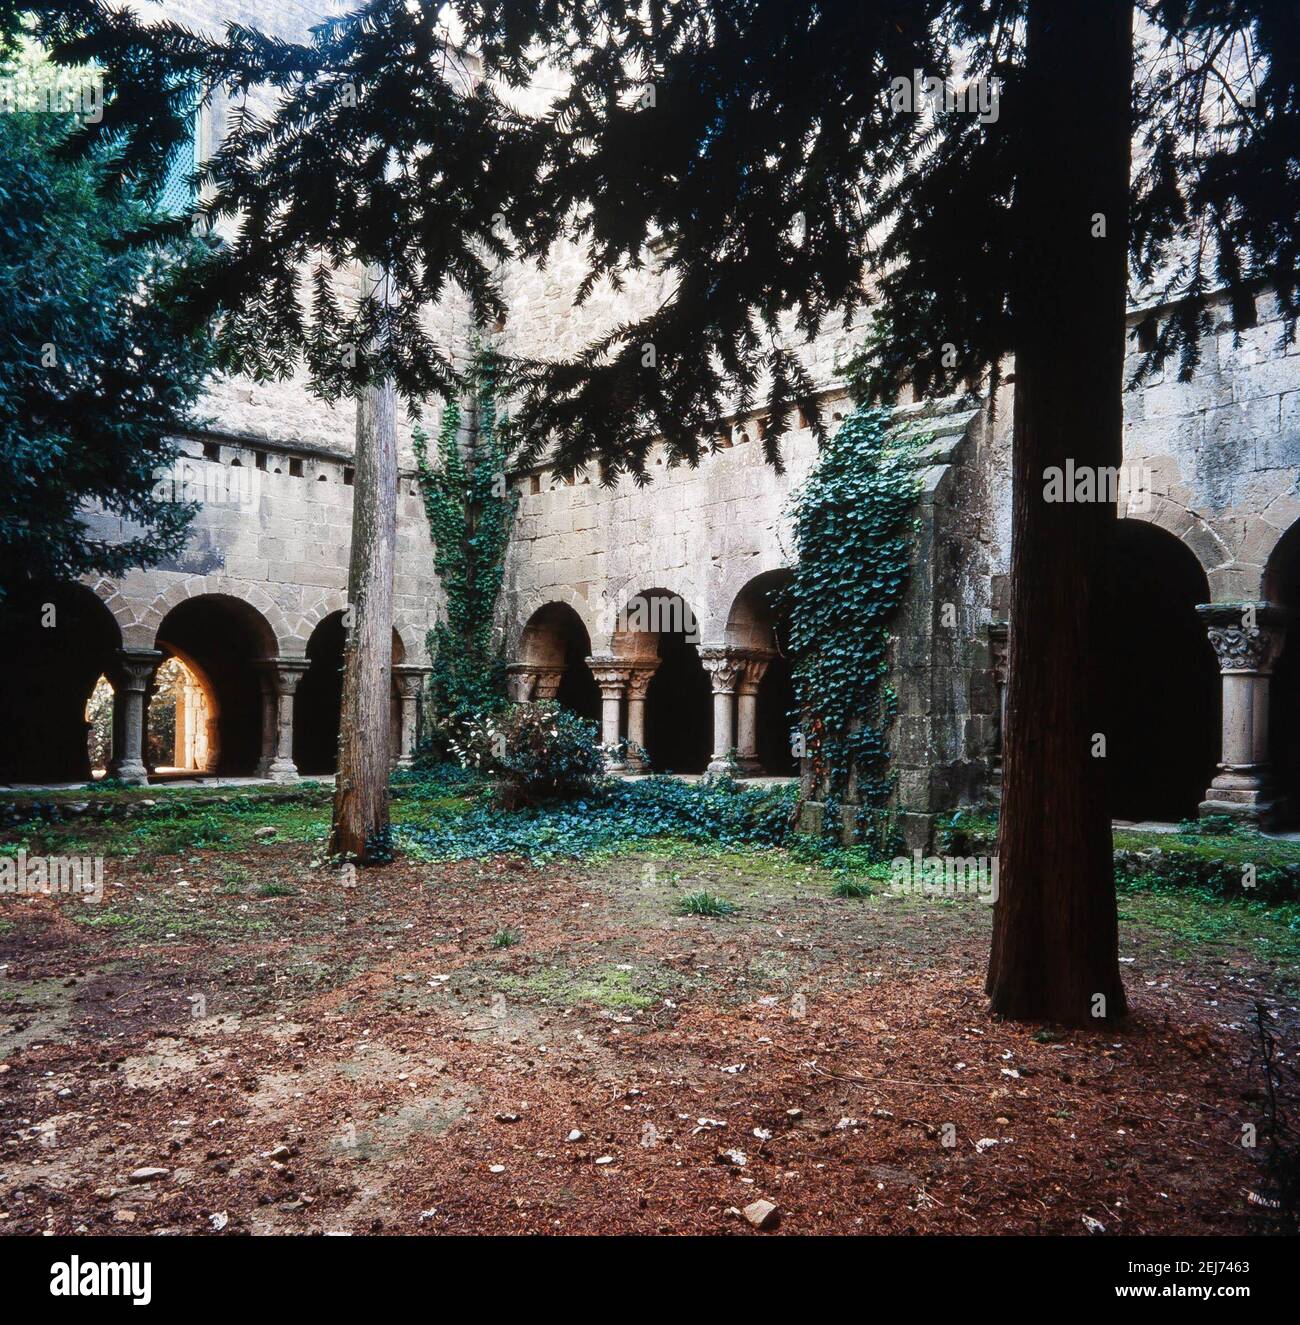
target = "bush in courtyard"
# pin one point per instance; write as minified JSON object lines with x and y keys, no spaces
{"x":538,"y":752}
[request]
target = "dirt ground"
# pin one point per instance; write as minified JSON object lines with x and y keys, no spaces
{"x":484,"y":1048}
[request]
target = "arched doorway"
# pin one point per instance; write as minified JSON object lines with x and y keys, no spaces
{"x":223,"y":640}
{"x":1282,"y":586}
{"x":56,"y":643}
{"x":555,"y":639}
{"x":182,"y":710}
{"x":1163,"y":733}
{"x":759,"y":624}
{"x":319,"y":696}
{"x":659,"y":624}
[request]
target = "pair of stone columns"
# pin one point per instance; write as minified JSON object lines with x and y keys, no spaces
{"x":735,"y":675}
{"x":622,"y":680}
{"x":279,"y":678}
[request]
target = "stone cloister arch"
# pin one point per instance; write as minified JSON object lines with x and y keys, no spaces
{"x":1281,"y":590}
{"x":232,"y":646}
{"x":56,"y":641}
{"x":757,"y":642}
{"x":1162,"y":726}
{"x":655,"y":660}
{"x":552,"y":653}
{"x":317,"y":699}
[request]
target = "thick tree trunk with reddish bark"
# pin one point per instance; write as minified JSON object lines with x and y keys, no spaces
{"x":361,"y":791}
{"x":1054,"y":950}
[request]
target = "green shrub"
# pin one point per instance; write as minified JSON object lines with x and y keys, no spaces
{"x":538,"y":752}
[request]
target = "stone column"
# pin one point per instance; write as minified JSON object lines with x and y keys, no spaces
{"x":284,"y":675}
{"x":183,"y":736}
{"x":724,"y":669}
{"x":137,"y":672}
{"x":752,"y":670}
{"x":407,"y":680}
{"x":612,"y":678}
{"x":1247,"y":638}
{"x":270,"y":723}
{"x":637,"y":685}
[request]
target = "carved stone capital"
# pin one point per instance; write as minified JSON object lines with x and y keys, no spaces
{"x":611,"y":675}
{"x":1246,"y":637}
{"x":283,"y":674}
{"x":407,"y":679}
{"x":548,"y":681}
{"x":521,"y":681}
{"x":753,"y":667}
{"x":725,"y":668}
{"x":638,"y":682}
{"x":137,"y":667}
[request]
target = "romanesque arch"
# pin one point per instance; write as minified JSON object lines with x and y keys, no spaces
{"x":757,"y":638}
{"x":551,"y":660}
{"x":229,"y":641}
{"x":56,"y":642}
{"x":318,"y":696}
{"x":1162,"y":730}
{"x":559,"y":595}
{"x":1281,"y":586}
{"x":655,"y":647}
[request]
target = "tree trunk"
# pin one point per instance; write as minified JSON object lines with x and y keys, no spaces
{"x":361,"y":792}
{"x":1054,"y":952}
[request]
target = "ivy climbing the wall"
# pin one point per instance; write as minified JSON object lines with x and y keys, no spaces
{"x":470,"y":505}
{"x":854,"y":530}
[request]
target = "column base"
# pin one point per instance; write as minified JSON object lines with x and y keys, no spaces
{"x":720,"y":766}
{"x":281,"y":770}
{"x":749,"y":767}
{"x":134,"y":775}
{"x":1241,"y":795}
{"x":1258,"y":808}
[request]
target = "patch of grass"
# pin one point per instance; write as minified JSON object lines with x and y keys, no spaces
{"x":276,"y":890}
{"x":851,"y":887}
{"x":1197,"y":919}
{"x":154,"y":919}
{"x":616,"y":987}
{"x":505,"y":938}
{"x":703,"y":904}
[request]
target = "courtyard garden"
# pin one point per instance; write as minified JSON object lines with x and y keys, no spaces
{"x":646,"y":1008}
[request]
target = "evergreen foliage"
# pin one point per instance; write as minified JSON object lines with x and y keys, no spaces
{"x":700,"y":138}
{"x":99,"y":376}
